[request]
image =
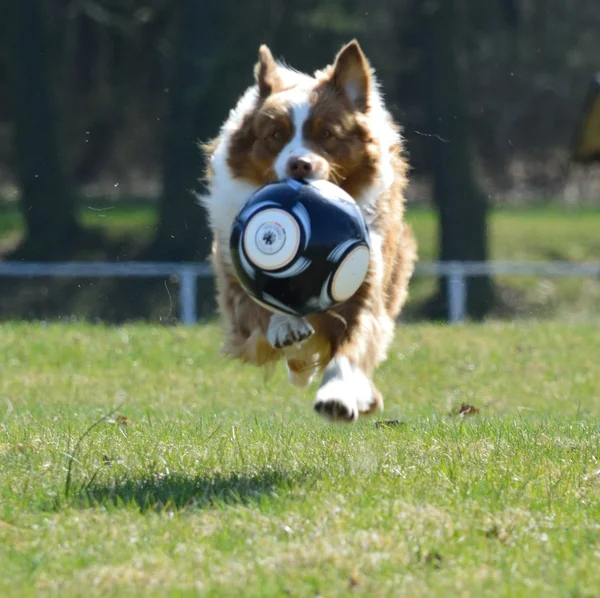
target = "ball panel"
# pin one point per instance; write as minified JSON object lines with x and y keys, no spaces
{"x":247,"y":266}
{"x":275,"y":306}
{"x":304,"y":217}
{"x":337,"y":253}
{"x":330,"y":191}
{"x":271,"y":239}
{"x":295,"y":269}
{"x":350,"y":274}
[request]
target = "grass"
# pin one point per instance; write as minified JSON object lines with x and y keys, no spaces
{"x":207,"y":481}
{"x":130,"y":217}
{"x":540,"y":234}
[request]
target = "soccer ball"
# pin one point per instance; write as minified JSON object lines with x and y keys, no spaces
{"x":300,"y":247}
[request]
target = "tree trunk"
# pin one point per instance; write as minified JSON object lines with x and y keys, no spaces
{"x":192,"y":109}
{"x":47,"y":200}
{"x":183,"y":232}
{"x":461,"y":205}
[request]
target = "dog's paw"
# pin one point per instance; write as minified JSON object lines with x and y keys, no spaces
{"x":285,"y":331}
{"x":345,"y":392}
{"x":336,"y":408}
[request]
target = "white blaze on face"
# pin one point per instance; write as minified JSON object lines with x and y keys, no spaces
{"x":300,"y":110}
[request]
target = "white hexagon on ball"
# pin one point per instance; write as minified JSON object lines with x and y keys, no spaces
{"x":272,"y":239}
{"x":350,"y":274}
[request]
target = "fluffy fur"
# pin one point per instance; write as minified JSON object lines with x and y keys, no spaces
{"x":331,"y":125}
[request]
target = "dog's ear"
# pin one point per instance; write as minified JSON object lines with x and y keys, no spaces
{"x":265,"y":72}
{"x":351,"y":74}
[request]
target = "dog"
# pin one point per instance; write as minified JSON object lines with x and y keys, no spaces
{"x":331,"y":125}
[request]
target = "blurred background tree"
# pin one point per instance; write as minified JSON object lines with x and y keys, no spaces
{"x":183,"y":233}
{"x":457,"y":194}
{"x":48,"y":202}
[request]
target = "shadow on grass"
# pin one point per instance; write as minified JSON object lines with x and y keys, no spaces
{"x":160,"y":492}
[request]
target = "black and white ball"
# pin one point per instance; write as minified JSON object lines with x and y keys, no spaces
{"x":300,"y":247}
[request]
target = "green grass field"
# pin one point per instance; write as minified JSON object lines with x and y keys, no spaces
{"x":208,"y":481}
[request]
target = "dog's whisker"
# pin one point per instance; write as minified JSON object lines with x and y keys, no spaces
{"x":336,"y":172}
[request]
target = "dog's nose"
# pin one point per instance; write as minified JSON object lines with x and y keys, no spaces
{"x":298,"y":168}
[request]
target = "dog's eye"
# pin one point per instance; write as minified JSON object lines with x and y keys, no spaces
{"x":325,"y":134}
{"x":277,"y":135}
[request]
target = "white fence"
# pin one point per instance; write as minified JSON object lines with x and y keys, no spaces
{"x":188,"y":273}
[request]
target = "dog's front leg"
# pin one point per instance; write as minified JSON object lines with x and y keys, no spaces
{"x":347,"y":390}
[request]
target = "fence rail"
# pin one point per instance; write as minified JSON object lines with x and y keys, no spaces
{"x":188,"y":273}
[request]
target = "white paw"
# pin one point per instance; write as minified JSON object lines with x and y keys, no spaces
{"x":334,"y":402}
{"x":284,"y":331}
{"x":345,"y":392}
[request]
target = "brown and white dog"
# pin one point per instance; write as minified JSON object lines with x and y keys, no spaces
{"x":332,"y":125}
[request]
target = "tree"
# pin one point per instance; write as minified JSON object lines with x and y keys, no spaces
{"x":461,"y":204}
{"x":47,"y":201}
{"x":209,"y":68}
{"x":183,"y":232}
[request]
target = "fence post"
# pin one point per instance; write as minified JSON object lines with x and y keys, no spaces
{"x":457,"y":293}
{"x":187,"y":296}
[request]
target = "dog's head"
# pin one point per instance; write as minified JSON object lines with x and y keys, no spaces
{"x":331,"y":125}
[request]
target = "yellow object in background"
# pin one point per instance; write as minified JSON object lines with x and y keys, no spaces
{"x":587,"y":140}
